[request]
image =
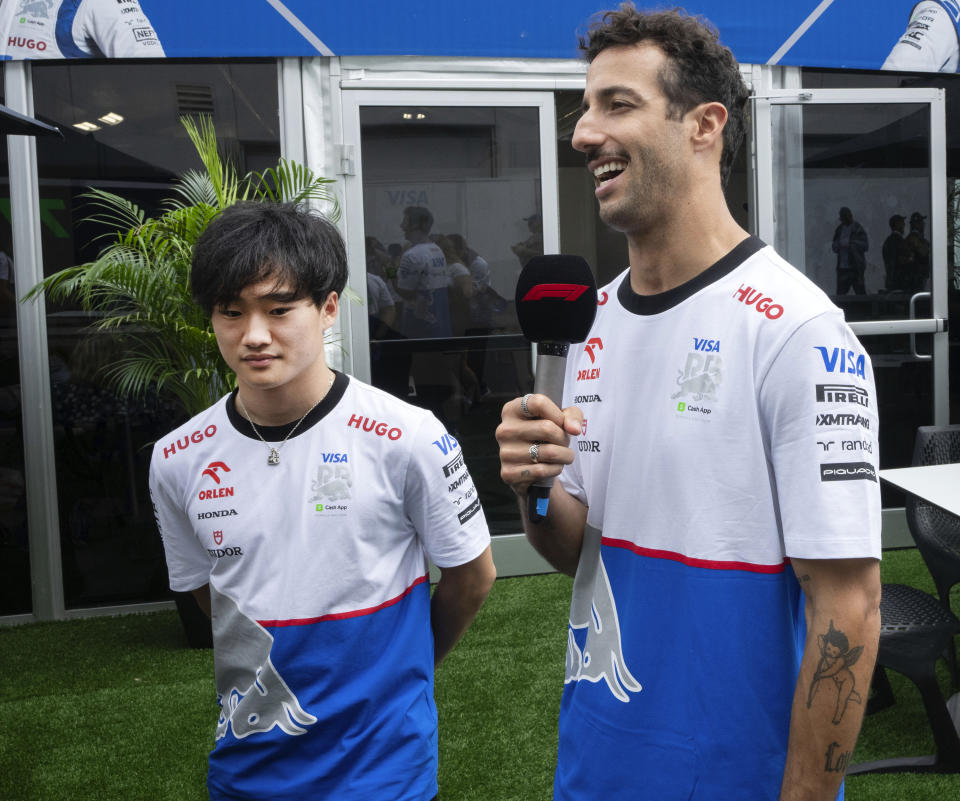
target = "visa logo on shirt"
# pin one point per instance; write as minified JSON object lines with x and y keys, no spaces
{"x":711,"y":345}
{"x":334,"y":458}
{"x":446,"y":444}
{"x":839,"y":360}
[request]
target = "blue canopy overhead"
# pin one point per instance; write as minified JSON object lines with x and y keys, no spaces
{"x":823,"y":33}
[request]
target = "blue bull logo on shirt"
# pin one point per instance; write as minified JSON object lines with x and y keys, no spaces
{"x":253,"y":696}
{"x":593,"y":608}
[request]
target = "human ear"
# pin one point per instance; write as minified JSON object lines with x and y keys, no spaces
{"x":710,"y":120}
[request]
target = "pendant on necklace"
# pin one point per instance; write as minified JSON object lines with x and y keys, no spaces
{"x":274,"y":457}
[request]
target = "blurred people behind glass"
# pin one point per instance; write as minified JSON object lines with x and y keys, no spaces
{"x":389,"y":363}
{"x":897,"y":257}
{"x":850,"y":243}
{"x":422,"y":279}
{"x":459,"y":285}
{"x":920,"y":248}
{"x":533,"y":244}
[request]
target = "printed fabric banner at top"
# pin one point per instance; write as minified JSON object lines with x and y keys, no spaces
{"x":853,"y":34}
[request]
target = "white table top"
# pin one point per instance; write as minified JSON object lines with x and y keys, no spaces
{"x":937,"y":483}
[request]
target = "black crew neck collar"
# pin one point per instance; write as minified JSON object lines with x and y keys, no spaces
{"x":661,"y":302}
{"x":279,"y":433}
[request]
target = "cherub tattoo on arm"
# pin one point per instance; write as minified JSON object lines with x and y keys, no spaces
{"x":836,"y":658}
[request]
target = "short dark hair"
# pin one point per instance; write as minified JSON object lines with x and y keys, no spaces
{"x":253,"y":241}
{"x":701,"y":70}
{"x":420,"y":218}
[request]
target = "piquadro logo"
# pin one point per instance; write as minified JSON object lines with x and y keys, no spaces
{"x":213,"y":469}
{"x":593,"y":342}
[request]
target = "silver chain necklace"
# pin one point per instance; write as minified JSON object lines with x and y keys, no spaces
{"x":274,"y":457}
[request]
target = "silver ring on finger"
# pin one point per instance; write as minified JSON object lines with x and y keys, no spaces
{"x":535,"y":452}
{"x":523,"y":405}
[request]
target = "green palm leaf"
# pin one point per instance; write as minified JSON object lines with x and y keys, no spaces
{"x":137,"y":290}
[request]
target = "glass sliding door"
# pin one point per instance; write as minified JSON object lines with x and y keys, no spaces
{"x":851,"y":189}
{"x":457,"y":193}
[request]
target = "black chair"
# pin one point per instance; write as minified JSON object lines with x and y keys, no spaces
{"x":916,"y":630}
{"x":936,"y":532}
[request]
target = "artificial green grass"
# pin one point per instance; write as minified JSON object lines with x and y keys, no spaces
{"x":118,"y":709}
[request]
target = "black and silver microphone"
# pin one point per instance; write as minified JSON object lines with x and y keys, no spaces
{"x":556,"y":303}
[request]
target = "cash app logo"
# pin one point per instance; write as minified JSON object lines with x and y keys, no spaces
{"x":681,"y":406}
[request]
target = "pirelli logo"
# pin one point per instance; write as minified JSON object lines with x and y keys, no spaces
{"x":453,"y":466}
{"x":842,"y":393}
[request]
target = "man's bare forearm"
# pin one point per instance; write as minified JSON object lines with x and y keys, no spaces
{"x":559,"y":537}
{"x":843,"y":626}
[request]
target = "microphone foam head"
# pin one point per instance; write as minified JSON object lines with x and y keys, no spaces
{"x":556,"y":299}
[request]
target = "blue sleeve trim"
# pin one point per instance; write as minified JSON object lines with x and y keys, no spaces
{"x":65,"y":17}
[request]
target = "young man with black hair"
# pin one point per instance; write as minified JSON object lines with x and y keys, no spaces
{"x":720,"y":508}
{"x":300,"y":510}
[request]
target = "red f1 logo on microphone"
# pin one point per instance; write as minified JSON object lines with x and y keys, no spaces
{"x":562,"y":291}
{"x":595,"y":342}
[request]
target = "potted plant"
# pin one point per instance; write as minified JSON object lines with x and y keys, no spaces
{"x":138,"y":288}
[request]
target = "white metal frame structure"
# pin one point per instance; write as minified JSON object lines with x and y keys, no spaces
{"x":764,"y":220}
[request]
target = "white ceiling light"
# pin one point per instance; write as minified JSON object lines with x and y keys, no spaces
{"x":86,"y":127}
{"x":111,"y":118}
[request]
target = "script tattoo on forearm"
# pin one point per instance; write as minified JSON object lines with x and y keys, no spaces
{"x":836,"y":659}
{"x":837,"y":763}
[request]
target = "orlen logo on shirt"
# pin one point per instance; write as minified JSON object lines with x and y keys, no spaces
{"x":183,"y":444}
{"x":378,"y":428}
{"x":213,"y":470}
{"x":754,"y":297}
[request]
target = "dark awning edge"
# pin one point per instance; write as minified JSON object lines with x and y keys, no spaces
{"x":13,"y":122}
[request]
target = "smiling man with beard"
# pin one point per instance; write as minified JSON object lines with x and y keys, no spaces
{"x":718,"y":526}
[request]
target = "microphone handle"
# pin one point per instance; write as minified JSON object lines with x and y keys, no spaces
{"x":551,"y":367}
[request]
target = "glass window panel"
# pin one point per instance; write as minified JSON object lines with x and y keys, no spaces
{"x":15,"y":595}
{"x":111,"y":552}
{"x":852,"y":188}
{"x":451,"y":214}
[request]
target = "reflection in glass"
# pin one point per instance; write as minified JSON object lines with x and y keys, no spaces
{"x":852,"y":188}
{"x":452,"y":212}
{"x":15,"y":596}
{"x":110,"y":549}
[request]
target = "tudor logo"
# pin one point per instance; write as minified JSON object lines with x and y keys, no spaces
{"x":213,"y":468}
{"x":593,"y":342}
{"x":754,"y":297}
{"x":218,"y":537}
{"x":567,"y":292}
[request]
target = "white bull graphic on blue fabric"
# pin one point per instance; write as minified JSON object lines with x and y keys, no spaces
{"x":593,"y":608}
{"x":253,"y":696}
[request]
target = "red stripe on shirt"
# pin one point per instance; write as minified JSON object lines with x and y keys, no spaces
{"x":691,"y":561}
{"x":306,"y":621}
